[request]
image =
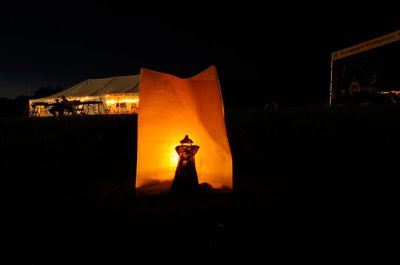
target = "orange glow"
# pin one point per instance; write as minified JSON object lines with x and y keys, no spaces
{"x":173,"y":157}
{"x":114,"y":101}
{"x":396,"y":92}
{"x":170,"y":108}
{"x":122,"y":104}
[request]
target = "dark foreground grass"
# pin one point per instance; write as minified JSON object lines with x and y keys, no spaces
{"x":309,"y":184}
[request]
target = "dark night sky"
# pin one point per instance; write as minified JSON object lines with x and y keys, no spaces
{"x":262,"y":55}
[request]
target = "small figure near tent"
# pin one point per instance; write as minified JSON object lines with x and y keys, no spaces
{"x":186,"y":182}
{"x":57,"y":109}
{"x":68,"y":108}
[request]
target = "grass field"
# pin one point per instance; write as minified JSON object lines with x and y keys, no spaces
{"x":308,"y":183}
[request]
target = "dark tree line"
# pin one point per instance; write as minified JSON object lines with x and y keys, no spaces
{"x":18,"y":106}
{"x":45,"y":91}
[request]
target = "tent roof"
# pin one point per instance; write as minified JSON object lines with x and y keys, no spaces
{"x":102,"y":87}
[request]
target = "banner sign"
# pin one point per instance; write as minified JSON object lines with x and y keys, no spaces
{"x":367,"y":45}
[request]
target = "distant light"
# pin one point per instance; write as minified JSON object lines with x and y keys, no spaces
{"x":128,"y":100}
{"x":396,"y":92}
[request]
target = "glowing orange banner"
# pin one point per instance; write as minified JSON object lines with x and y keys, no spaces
{"x":170,"y":108}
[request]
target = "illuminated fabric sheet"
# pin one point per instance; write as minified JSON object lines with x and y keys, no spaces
{"x":170,"y":108}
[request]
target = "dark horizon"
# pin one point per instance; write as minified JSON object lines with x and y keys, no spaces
{"x":259,"y":59}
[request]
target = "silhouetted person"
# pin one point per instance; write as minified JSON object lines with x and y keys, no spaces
{"x":64,"y":99}
{"x":355,"y":95}
{"x":66,"y":105}
{"x":186,"y":182}
{"x":57,"y":109}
